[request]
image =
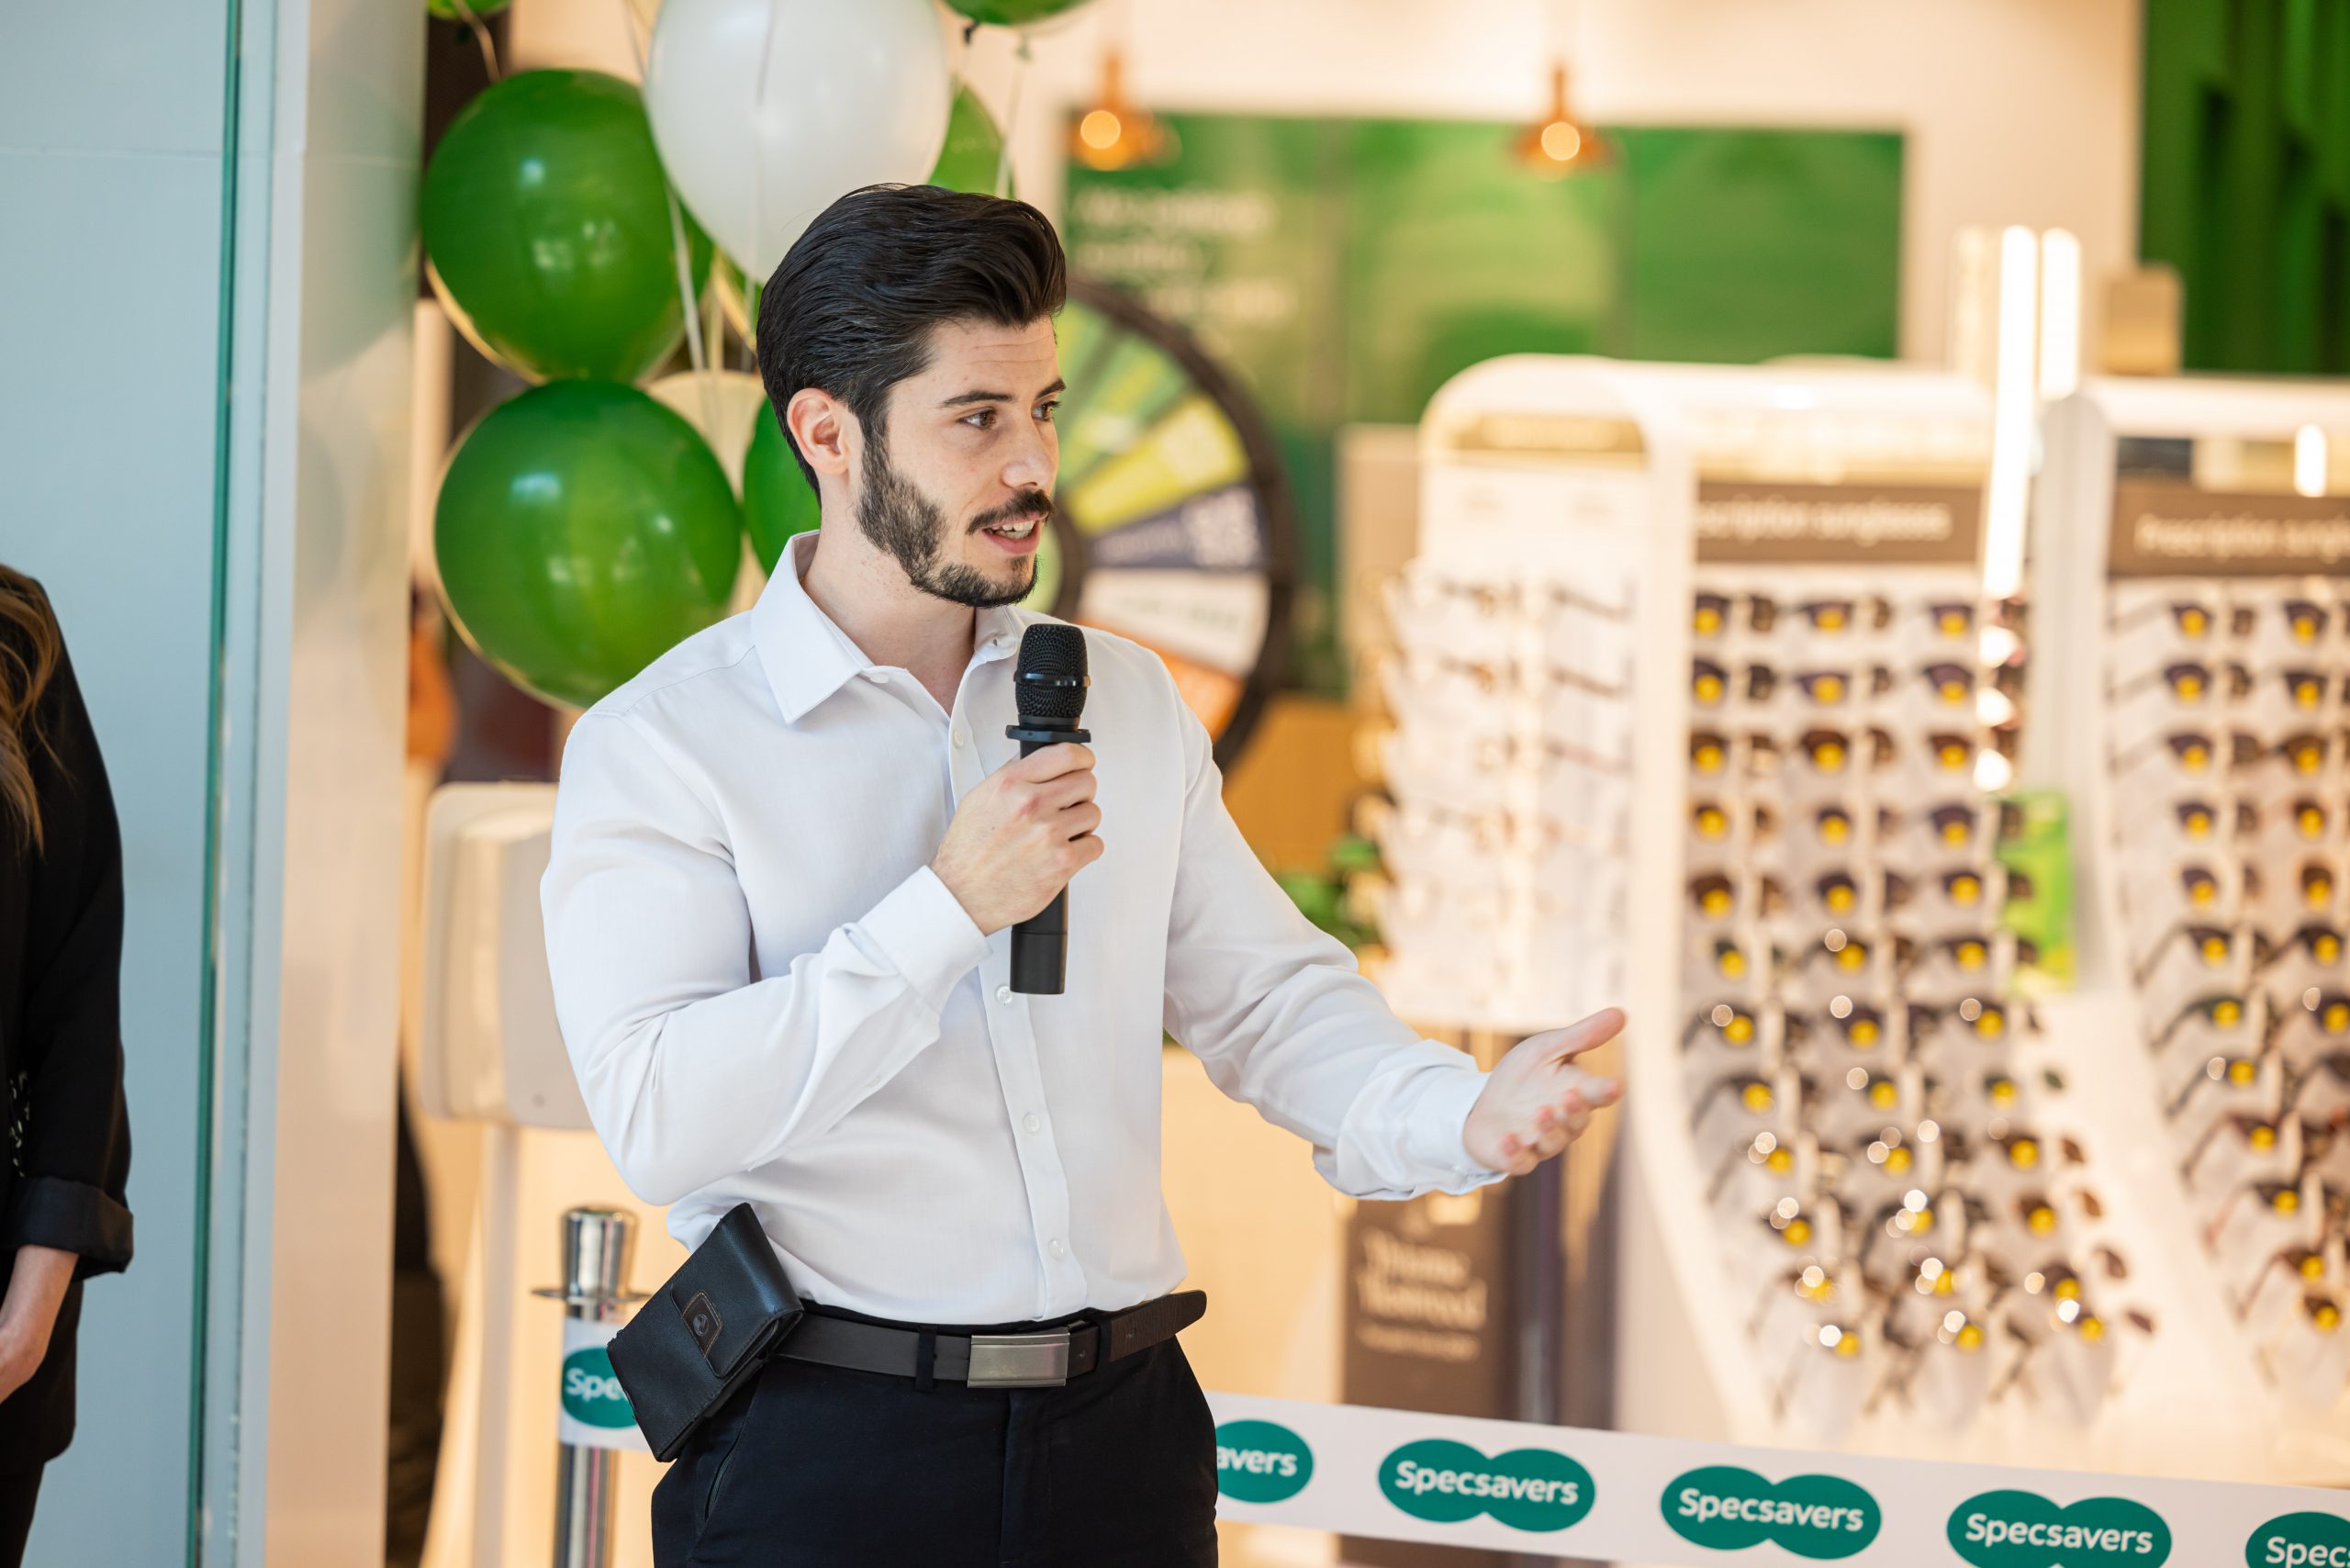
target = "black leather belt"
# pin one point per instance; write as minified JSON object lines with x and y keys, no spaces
{"x":1046,"y":1358}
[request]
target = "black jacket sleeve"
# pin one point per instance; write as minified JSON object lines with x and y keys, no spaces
{"x":75,"y":1153}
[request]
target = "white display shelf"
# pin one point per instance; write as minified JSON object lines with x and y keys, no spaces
{"x":2232,"y":441}
{"x":1523,"y":458}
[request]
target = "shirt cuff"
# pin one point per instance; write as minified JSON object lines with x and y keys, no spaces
{"x":925,"y":931}
{"x":71,"y":1216}
{"x":1434,"y":1139}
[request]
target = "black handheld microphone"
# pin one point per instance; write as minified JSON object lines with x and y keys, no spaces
{"x":1049,"y":689}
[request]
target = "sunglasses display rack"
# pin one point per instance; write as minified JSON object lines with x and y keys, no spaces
{"x":1864,"y":1197}
{"x":2197,"y":557}
{"x":1902,"y":1191}
{"x":1513,"y":686}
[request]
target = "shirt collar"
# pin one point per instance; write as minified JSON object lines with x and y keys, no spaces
{"x":807,"y":657}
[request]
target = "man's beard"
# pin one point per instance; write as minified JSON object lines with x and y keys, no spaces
{"x":898,"y":518}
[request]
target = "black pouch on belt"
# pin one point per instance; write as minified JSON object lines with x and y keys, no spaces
{"x":705,"y":1333}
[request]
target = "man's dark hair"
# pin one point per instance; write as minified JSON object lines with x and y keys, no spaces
{"x":850,"y":309}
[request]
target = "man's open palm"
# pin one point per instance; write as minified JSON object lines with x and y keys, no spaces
{"x":1538,"y":1100}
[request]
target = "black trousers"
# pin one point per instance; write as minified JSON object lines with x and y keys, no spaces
{"x":822,"y":1467}
{"x":18,"y":1490}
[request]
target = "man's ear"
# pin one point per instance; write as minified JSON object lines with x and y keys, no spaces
{"x":821,"y":425}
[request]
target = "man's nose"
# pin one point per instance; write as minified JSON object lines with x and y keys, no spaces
{"x":1032,"y":467}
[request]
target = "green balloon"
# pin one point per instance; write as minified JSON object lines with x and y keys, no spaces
{"x":974,"y":149}
{"x":777,"y":499}
{"x":582,"y":530}
{"x":547,"y":229}
{"x":1013,"y":12}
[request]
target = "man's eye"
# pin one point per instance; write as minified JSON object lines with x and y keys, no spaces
{"x":979,"y":419}
{"x":1045,"y":411}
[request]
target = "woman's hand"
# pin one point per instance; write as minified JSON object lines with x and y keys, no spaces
{"x":36,"y":1289}
{"x":1536,"y":1100}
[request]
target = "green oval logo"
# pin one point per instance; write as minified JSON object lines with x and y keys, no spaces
{"x":1724,"y":1508}
{"x":1262,"y":1461}
{"x":2024,"y":1530}
{"x":591,"y":1393}
{"x":1527,"y":1489}
{"x":2301,"y":1540}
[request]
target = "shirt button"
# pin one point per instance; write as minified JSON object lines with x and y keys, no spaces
{"x":958,"y":737}
{"x":1003,"y":994}
{"x":1030,"y":1121}
{"x":878,"y":677}
{"x":1055,"y":1246}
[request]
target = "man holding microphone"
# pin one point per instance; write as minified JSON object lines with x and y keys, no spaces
{"x":786,"y":860}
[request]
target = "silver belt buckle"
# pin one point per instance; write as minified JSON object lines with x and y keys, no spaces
{"x":1019,"y":1361}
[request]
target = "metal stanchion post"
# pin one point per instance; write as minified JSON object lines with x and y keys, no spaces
{"x":596,"y":1245}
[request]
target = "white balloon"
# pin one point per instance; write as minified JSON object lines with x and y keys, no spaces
{"x":767,"y":111}
{"x":725,"y":406}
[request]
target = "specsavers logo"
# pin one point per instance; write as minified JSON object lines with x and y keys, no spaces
{"x":1728,"y":1509}
{"x":2301,"y":1540}
{"x":1528,"y":1489}
{"x":1262,"y":1461}
{"x":590,"y":1393}
{"x":2024,"y":1530}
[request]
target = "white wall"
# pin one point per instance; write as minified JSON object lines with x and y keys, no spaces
{"x":2017,"y":111}
{"x":315,"y":676}
{"x":115,"y":161}
{"x":110,"y":179}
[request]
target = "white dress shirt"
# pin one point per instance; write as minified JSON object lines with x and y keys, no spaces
{"x":768,"y":996}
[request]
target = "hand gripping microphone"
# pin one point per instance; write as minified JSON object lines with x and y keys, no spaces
{"x":1049,"y":689}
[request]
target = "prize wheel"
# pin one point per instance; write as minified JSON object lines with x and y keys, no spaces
{"x":1172,"y":519}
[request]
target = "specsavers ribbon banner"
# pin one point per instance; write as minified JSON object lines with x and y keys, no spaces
{"x":596,"y":1414}
{"x":1618,"y":1497}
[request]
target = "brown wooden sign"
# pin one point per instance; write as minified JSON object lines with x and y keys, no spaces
{"x":1747,"y":521}
{"x":1433,"y":1322}
{"x":2164,"y":529}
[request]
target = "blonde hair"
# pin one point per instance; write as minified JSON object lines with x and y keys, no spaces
{"x":27,"y":660}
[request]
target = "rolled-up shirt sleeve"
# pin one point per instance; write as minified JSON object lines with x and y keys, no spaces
{"x":75,"y":1158}
{"x":1283,"y":1019}
{"x":691,"y":1069}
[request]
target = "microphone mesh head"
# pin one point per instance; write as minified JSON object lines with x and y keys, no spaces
{"x":1049,"y":684}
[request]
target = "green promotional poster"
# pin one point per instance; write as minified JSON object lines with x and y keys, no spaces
{"x":1345,"y":269}
{"x":1728,"y":1509}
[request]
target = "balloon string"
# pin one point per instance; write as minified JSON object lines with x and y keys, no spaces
{"x":694,"y":349}
{"x":482,"y":40}
{"x":695,"y":352}
{"x":713,"y":329}
{"x":759,"y":174}
{"x":1019,"y":59}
